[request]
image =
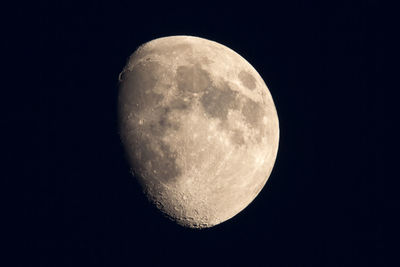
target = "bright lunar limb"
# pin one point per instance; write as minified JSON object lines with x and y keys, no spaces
{"x":199,"y":127}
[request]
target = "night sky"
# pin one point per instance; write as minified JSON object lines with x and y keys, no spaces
{"x":320,"y":204}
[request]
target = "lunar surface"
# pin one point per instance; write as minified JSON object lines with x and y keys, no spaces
{"x":199,"y":127}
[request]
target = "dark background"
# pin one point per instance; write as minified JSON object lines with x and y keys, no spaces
{"x":320,"y":205}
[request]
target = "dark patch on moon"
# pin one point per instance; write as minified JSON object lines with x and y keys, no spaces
{"x":178,"y":104}
{"x":192,"y":78}
{"x":253,"y":112}
{"x":161,"y":122}
{"x":160,"y":159}
{"x":138,"y":84}
{"x":247,"y":79}
{"x":151,"y":157}
{"x":160,"y":163}
{"x":217,"y":101}
{"x":237,"y":137}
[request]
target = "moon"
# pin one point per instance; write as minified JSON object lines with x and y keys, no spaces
{"x":199,"y":127}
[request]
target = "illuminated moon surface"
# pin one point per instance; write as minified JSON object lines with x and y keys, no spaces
{"x":199,"y":127}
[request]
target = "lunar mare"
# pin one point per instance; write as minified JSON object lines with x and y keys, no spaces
{"x":199,"y":127}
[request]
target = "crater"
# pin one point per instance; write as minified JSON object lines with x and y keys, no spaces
{"x":217,"y":101}
{"x":192,"y":78}
{"x":247,"y":79}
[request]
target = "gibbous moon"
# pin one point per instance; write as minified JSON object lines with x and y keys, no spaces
{"x":199,"y":127}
